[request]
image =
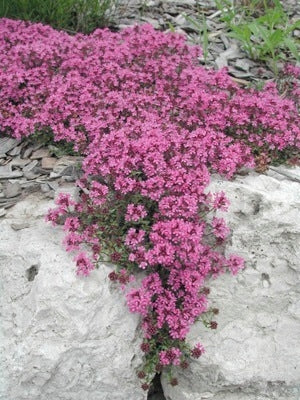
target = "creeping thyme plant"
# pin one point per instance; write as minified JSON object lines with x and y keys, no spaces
{"x":152,"y":126}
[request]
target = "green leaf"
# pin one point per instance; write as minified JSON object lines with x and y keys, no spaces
{"x":293,"y":47}
{"x":241,"y":32}
{"x":295,"y":25}
{"x":171,"y":27}
{"x":259,"y":31}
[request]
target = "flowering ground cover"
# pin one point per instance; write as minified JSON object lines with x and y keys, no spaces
{"x":152,"y":126}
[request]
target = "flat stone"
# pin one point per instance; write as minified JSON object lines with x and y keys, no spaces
{"x":12,"y":190}
{"x":6,"y":160}
{"x":48,"y":162}
{"x":30,"y":166}
{"x":230,"y":54}
{"x":66,"y":165}
{"x":180,"y":2}
{"x":225,"y":40}
{"x":19,"y":162}
{"x":31,"y":187}
{"x":2,"y":212}
{"x":41,"y":171}
{"x":238,"y":73}
{"x":6,"y":144}
{"x":54,"y":175}
{"x":15,"y":151}
{"x":69,"y":170}
{"x":31,"y":175}
{"x":186,"y":24}
{"x":6,"y":172}
{"x":215,"y":14}
{"x":53,"y":185}
{"x":28,"y":152}
{"x":179,"y":30}
{"x":243,"y":64}
{"x":216,"y":48}
{"x":45,"y":187}
{"x":40,"y":153}
{"x":151,"y":21}
{"x":180,"y":20}
{"x":69,"y":178}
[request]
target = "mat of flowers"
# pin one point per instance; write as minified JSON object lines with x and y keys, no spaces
{"x":152,"y":125}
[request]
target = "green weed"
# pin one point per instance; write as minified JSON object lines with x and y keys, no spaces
{"x":267,"y":37}
{"x":70,"y":15}
{"x":201,"y":27}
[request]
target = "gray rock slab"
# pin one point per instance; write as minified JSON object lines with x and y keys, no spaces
{"x":151,"y":21}
{"x":230,"y":54}
{"x":254,"y":354}
{"x":40,"y":153}
{"x":48,"y":162}
{"x":244,"y":64}
{"x":28,"y":152}
{"x":45,"y":187}
{"x":30,"y":175}
{"x":6,"y":144}
{"x":66,"y":165}
{"x":15,"y":151}
{"x":19,"y":162}
{"x":29,"y":167}
{"x":62,"y":337}
{"x":12,"y":190}
{"x":6,"y":172}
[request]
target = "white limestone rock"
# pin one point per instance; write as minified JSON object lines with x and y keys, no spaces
{"x":255,"y":352}
{"x":62,"y":337}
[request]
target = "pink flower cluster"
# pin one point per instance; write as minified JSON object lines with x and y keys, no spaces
{"x":135,"y":212}
{"x":152,"y":126}
{"x":170,"y":356}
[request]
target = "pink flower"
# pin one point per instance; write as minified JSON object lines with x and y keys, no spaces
{"x":197,"y":351}
{"x":138,"y":301}
{"x":220,"y":229}
{"x":220,"y":201}
{"x":170,"y":356}
{"x":134,"y":237}
{"x":152,"y":126}
{"x":71,"y":224}
{"x":84,"y":265}
{"x":53,"y":215}
{"x":98,"y":193}
{"x":135,"y":212}
{"x":64,"y":200}
{"x":235,"y":263}
{"x":72,"y":241}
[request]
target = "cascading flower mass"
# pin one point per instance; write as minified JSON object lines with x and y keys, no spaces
{"x":152,"y":125}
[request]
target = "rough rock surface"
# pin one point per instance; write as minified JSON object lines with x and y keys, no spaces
{"x":62,"y":337}
{"x":255,"y":353}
